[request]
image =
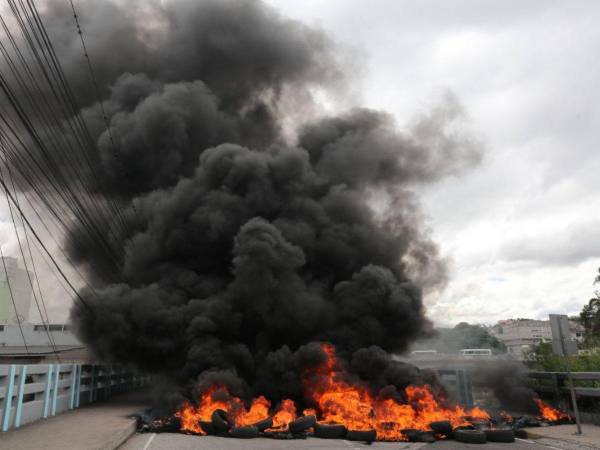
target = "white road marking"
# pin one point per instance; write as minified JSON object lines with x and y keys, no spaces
{"x":149,"y":441}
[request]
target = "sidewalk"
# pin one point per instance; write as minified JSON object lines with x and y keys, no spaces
{"x":100,"y":426}
{"x":566,"y":433}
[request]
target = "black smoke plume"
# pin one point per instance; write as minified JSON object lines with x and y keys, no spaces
{"x":245,"y":247}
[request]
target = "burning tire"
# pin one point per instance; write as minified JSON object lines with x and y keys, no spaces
{"x":441,"y":427}
{"x":264,"y":424}
{"x":330,"y":431}
{"x":247,"y":432}
{"x":412,"y":434}
{"x":364,"y":436}
{"x":500,"y":435}
{"x":302,"y":423}
{"x":470,"y":436}
{"x":207,"y":427}
{"x":426,"y":436}
{"x":521,"y":434}
{"x":220,"y":421}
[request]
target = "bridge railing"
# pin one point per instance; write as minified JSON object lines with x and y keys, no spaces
{"x":587,"y":384}
{"x":31,"y":392}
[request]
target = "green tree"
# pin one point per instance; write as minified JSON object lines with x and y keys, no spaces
{"x":590,"y":314}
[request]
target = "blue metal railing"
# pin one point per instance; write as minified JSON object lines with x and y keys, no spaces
{"x":36,"y":391}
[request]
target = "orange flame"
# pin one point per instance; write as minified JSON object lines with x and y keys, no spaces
{"x":336,"y":400}
{"x":286,"y":413}
{"x":547,"y":412}
{"x":217,"y":397}
{"x":354,"y":406}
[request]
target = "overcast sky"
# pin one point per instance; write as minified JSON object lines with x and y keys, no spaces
{"x":522,"y":230}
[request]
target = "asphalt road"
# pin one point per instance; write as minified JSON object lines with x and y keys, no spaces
{"x":167,"y":441}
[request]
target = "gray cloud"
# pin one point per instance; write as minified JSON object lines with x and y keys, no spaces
{"x":571,"y":245}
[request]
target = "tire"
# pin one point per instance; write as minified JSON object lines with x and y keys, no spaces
{"x":470,"y":436}
{"x":441,"y":427}
{"x":247,"y":432}
{"x":481,"y":425}
{"x":264,"y":424}
{"x":364,"y":436}
{"x":207,"y":427}
{"x":461,"y":427}
{"x":302,"y":423}
{"x":521,"y":434}
{"x":412,"y":434}
{"x":500,"y":435}
{"x":220,"y":421}
{"x":330,"y":431}
{"x":426,"y":436}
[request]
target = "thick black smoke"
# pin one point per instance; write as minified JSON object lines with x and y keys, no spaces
{"x":246,"y":249}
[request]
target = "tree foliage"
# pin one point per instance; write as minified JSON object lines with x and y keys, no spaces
{"x":590,"y":314}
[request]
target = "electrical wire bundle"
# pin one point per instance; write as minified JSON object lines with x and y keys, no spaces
{"x":48,"y":159}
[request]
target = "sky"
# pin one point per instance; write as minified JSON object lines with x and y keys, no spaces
{"x":521,"y":231}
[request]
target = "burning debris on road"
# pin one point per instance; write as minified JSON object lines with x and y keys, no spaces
{"x":342,"y":409}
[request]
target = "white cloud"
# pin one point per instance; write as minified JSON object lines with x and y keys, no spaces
{"x":522,"y":229}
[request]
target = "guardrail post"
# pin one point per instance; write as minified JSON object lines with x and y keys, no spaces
{"x":78,"y":384}
{"x":73,"y":384}
{"x":93,"y":384}
{"x":10,"y":384}
{"x":465,"y":392}
{"x":47,"y":392}
{"x":55,"y":391}
{"x":19,"y":409}
{"x":110,"y":380}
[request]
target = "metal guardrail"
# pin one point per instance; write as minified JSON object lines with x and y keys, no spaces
{"x":36,"y":391}
{"x":459,"y":382}
{"x":555,"y":383}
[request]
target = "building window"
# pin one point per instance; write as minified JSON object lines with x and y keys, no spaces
{"x":50,"y":327}
{"x":1,"y":327}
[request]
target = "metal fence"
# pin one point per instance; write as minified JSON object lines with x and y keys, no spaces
{"x":36,"y":391}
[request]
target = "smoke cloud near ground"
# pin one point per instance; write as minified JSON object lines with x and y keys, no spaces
{"x":245,"y":248}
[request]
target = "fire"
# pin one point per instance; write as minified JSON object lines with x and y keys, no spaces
{"x":353,"y":405}
{"x":217,"y":397}
{"x":336,"y":398}
{"x":285,"y":415}
{"x":549,"y":413}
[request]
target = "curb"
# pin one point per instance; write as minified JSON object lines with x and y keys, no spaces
{"x":562,"y":439}
{"x":120,"y":437}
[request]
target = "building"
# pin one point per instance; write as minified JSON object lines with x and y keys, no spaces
{"x":14,"y":280}
{"x":39,"y":345}
{"x":522,"y":335}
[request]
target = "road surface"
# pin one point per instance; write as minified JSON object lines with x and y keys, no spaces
{"x":167,"y":441}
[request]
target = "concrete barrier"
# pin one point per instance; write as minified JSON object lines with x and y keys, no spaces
{"x":32,"y":392}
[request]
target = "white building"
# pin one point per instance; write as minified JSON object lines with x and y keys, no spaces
{"x":18,"y":284}
{"x":522,"y":335}
{"x":37,"y":335}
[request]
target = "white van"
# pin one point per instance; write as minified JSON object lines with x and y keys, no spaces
{"x":473,"y":353}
